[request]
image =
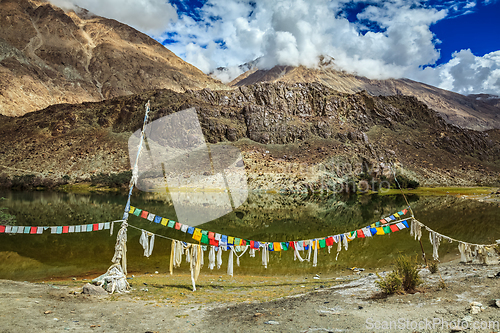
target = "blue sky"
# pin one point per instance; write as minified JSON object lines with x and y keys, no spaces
{"x":451,"y":44}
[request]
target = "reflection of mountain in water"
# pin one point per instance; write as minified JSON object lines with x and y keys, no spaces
{"x":266,"y":217}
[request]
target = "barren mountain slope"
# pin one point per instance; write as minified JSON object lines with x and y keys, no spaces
{"x":466,"y":111}
{"x":48,"y":56}
{"x":293,"y":137}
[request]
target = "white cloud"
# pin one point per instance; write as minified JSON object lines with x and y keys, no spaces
{"x":466,"y":73}
{"x":228,"y":33}
{"x":149,"y":16}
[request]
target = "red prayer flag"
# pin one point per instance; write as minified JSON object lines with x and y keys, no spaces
{"x":405,"y":211}
{"x":66,"y":228}
{"x":2,"y":229}
{"x":394,"y":228}
{"x":383,"y":221}
{"x":95,"y":226}
{"x":144,"y":214}
{"x":243,"y":242}
{"x":33,"y":230}
{"x":214,"y":242}
{"x":211,"y":235}
{"x":292,"y":245}
{"x":360,"y":233}
{"x":329,"y":241}
{"x":177,"y":226}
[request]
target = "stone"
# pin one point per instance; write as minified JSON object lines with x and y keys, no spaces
{"x":90,"y":289}
{"x":272,"y":322}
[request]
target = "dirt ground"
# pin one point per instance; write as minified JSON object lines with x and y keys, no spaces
{"x":294,"y":304}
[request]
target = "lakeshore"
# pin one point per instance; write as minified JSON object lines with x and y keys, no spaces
{"x":339,"y":303}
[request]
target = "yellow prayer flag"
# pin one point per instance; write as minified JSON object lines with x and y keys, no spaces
{"x":230,"y":240}
{"x":132,"y":208}
{"x":197,"y":234}
{"x":277,"y":246}
{"x":372,"y":225}
{"x":396,"y":215}
{"x":164,"y":221}
{"x":380,"y":231}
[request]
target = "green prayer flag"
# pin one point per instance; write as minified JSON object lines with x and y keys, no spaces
{"x":322,"y":243}
{"x":387,"y":229}
{"x":137,"y":212}
{"x":171,"y":224}
{"x":284,"y":246}
{"x":204,"y":238}
{"x":204,"y":232}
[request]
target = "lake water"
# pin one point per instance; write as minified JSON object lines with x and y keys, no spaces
{"x":267,"y":217}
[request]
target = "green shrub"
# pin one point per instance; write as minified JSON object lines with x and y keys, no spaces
{"x":390,"y":283}
{"x":23,"y":182}
{"x":404,"y":276}
{"x":407,"y":269}
{"x":111,"y":180}
{"x":406,"y":182}
{"x":6,"y":218}
{"x":433,"y":267}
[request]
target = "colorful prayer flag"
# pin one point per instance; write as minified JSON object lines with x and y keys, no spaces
{"x":322,"y":243}
{"x":394,"y":228}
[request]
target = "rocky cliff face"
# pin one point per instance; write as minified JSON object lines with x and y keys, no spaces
{"x":49,"y":56}
{"x":473,"y":112}
{"x":303,"y":137}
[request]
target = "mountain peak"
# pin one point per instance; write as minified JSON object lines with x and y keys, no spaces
{"x":473,"y":112}
{"x":50,"y":56}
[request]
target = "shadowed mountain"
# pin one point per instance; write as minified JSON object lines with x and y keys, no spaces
{"x":474,"y":112}
{"x":294,"y":137}
{"x":49,"y":56}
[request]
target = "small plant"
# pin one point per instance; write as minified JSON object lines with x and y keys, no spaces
{"x":405,"y":276}
{"x":441,"y":284}
{"x":5,"y":218}
{"x":407,"y":269}
{"x":389,"y":284}
{"x":433,"y":267}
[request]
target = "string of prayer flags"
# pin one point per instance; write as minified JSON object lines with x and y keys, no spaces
{"x":384,"y":226}
{"x":63,"y":229}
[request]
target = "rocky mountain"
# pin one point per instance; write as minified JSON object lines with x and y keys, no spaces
{"x":294,"y":137}
{"x":473,"y":112}
{"x":50,"y":56}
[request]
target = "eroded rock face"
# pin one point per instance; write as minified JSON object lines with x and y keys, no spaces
{"x":297,"y":137}
{"x":478,"y":112}
{"x":48,"y":56}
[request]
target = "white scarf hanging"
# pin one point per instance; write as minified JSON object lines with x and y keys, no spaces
{"x":265,"y":255}
{"x":346,"y":244}
{"x":147,"y":244}
{"x":211,"y":258}
{"x":315,"y":257}
{"x":296,"y":254}
{"x":435,"y":240}
{"x":195,"y":264}
{"x":219,"y":258}
{"x":338,"y":240}
{"x":242,"y":253}
{"x":252,"y":253}
{"x":230,"y":262}
{"x":416,"y":229}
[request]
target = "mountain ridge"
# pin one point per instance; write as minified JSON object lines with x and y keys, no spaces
{"x":466,"y":111}
{"x":49,"y":56}
{"x":294,"y":137}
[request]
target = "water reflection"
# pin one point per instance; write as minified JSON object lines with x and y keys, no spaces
{"x":267,"y":217}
